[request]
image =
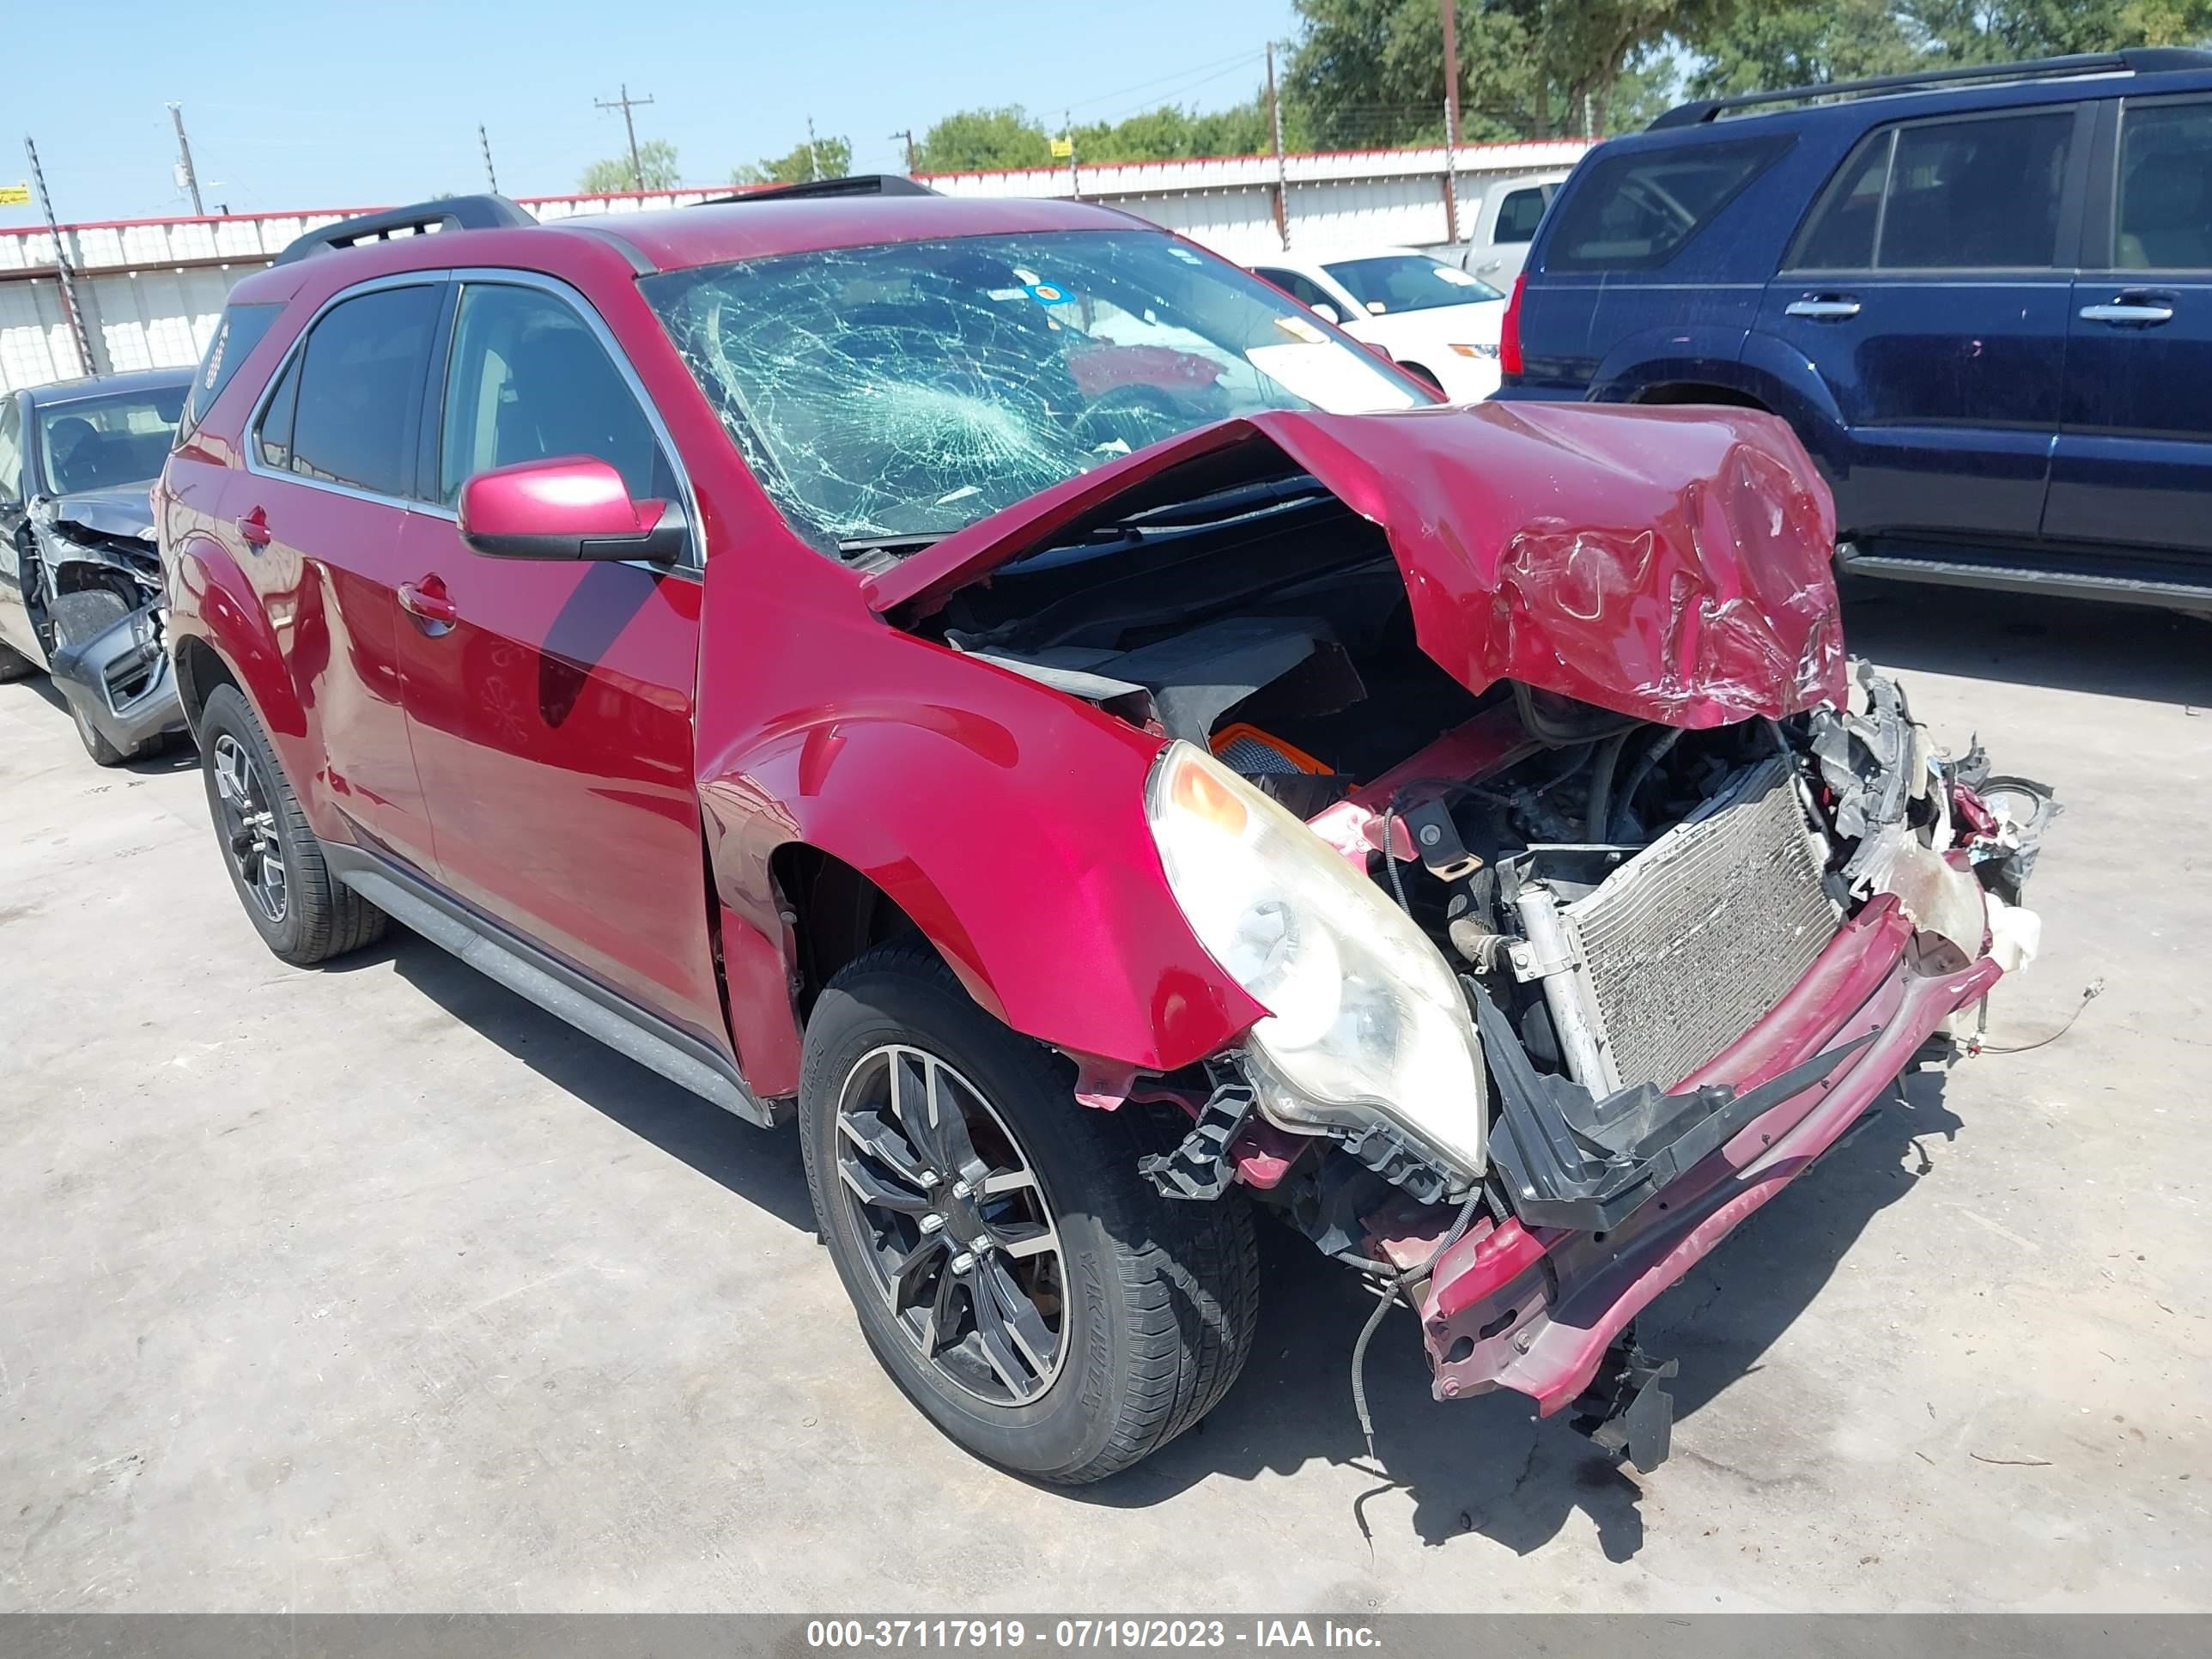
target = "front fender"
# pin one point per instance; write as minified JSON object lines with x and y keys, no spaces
{"x":1005,"y":820}
{"x":211,"y":600}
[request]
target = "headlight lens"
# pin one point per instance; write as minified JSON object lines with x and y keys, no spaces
{"x":1365,"y":1020}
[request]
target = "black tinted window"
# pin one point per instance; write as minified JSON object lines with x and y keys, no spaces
{"x":274,"y":436}
{"x":11,"y":450}
{"x":1638,"y":208}
{"x":1305,"y":292}
{"x":1518,"y":214}
{"x":1840,"y":235}
{"x":359,"y":382}
{"x":237,"y":332}
{"x":2166,"y":188}
{"x":527,"y":379}
{"x":1977,"y":194}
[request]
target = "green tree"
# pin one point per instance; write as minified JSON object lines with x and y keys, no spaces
{"x":1371,"y":71}
{"x":656,"y":160}
{"x":1804,"y":43}
{"x":1169,"y":134}
{"x":2004,"y":31}
{"x":832,"y":156}
{"x":980,"y":140}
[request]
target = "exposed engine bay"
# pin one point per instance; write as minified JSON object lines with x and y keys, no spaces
{"x":1629,"y":909}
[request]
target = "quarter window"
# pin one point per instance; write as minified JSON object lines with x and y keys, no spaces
{"x":360,"y":381}
{"x":527,"y":379}
{"x":2166,"y":206}
{"x":237,"y":332}
{"x":1637,"y":208}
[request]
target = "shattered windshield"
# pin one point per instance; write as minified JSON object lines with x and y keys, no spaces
{"x":903,"y":390}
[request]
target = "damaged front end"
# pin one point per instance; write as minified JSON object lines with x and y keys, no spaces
{"x":97,"y":609}
{"x":1515,"y":767}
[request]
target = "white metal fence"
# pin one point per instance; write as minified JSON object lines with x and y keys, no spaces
{"x":149,"y":291}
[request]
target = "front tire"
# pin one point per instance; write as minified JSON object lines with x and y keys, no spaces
{"x":303,"y":914}
{"x":1035,"y":1296}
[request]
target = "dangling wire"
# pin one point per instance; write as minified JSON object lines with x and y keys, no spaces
{"x":1395,"y":1289}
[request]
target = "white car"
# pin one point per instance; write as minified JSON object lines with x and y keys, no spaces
{"x":1432,"y":318}
{"x":1503,"y":218}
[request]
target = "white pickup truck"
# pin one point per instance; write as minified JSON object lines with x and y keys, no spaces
{"x":1502,"y":214}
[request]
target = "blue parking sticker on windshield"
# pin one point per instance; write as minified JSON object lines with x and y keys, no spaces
{"x":1046,"y":294}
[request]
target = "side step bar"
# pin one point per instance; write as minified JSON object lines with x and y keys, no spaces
{"x":2149,"y":583}
{"x":552,"y":984}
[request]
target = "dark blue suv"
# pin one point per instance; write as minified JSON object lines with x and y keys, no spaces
{"x":1983,"y":298}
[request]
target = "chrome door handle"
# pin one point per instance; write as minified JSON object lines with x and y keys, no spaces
{"x":2143,"y":314}
{"x":1823,"y":311}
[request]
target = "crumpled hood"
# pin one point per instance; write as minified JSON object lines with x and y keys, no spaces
{"x":1671,"y":563}
{"x":124,"y":511}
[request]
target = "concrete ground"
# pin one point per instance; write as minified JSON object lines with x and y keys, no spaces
{"x":374,"y":1288}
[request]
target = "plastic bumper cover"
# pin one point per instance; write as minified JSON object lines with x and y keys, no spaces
{"x":122,"y":682}
{"x":1534,"y":1308}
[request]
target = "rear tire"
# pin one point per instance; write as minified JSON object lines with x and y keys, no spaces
{"x":79,"y":616}
{"x":1112,"y":1339}
{"x":303,"y":914}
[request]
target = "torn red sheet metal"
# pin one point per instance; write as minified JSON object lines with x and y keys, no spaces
{"x":1669,"y":563}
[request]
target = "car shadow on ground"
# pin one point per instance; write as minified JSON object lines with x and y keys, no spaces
{"x":1485,"y":1465}
{"x":2032,"y":639}
{"x":761,"y":1167}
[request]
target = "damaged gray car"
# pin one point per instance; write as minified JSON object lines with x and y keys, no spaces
{"x":79,"y":576}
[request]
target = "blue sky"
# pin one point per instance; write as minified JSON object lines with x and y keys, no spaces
{"x":300,"y":105}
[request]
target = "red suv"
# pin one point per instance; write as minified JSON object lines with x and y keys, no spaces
{"x":1008,"y":688}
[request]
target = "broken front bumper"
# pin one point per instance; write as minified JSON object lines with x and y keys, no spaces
{"x":1535,"y":1309}
{"x":120,"y":680}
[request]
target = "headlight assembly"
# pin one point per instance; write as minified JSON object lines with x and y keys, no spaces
{"x":1366,"y":1022}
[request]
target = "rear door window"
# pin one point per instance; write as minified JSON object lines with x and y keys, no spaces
{"x":2166,"y":188}
{"x":1978,"y":195}
{"x":1519,"y":215}
{"x":361,"y":384}
{"x":1637,"y":208}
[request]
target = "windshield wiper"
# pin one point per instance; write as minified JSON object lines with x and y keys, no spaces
{"x":878,"y":552}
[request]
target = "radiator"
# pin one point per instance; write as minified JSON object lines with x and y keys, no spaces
{"x":1690,"y":941}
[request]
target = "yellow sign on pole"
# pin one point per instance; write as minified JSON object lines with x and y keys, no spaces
{"x":16,"y":195}
{"x":1062,"y":149}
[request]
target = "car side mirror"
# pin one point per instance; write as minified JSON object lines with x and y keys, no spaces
{"x":1326,"y":311}
{"x":567,"y":506}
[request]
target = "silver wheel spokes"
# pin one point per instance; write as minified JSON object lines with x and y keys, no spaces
{"x":249,"y":827}
{"x":955,"y":1223}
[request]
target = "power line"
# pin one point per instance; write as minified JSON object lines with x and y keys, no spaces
{"x":626,"y":104}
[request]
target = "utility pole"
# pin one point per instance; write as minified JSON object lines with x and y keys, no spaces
{"x":184,"y":158}
{"x":483,"y":142}
{"x":1067,"y":125}
{"x":1282,"y":169}
{"x":813,"y":160}
{"x":626,"y":104}
{"x":906,"y":133}
{"x":68,"y":277}
{"x":1451,"y":120}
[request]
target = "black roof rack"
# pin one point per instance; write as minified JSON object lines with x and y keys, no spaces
{"x":447,"y":213}
{"x":860,"y":184}
{"x":2139,"y":60}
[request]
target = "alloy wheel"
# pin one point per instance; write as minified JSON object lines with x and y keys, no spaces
{"x":249,"y":826}
{"x":954,"y":1224}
